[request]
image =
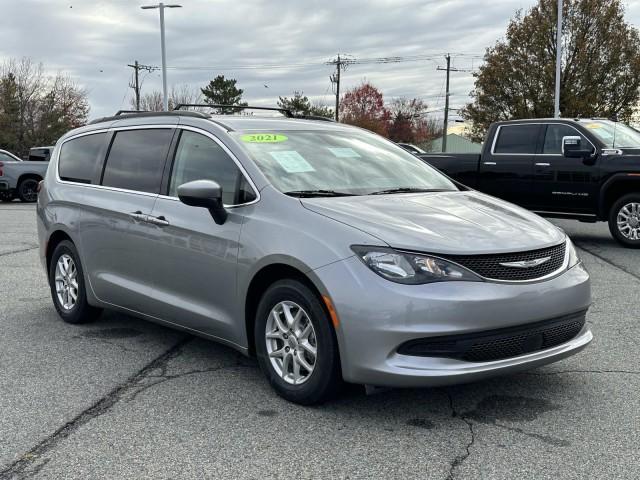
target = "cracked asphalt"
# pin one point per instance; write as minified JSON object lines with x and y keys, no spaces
{"x":123,"y":398}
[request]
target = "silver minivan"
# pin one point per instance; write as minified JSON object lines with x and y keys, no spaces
{"x":328,"y":252}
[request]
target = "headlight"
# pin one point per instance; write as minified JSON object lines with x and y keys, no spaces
{"x":411,"y":268}
{"x":573,"y":254}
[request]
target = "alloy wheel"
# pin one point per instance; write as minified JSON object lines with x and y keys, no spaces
{"x":291,"y":342}
{"x":29,"y":190}
{"x":628,"y":221}
{"x":66,"y":278}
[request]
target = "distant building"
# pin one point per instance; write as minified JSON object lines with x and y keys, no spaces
{"x":455,"y":144}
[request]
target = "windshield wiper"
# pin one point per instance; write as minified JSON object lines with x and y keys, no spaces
{"x":409,"y":190}
{"x":318,"y":193}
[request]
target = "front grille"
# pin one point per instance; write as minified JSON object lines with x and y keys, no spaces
{"x":488,"y":266}
{"x":499,"y":344}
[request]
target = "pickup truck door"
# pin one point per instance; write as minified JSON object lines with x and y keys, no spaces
{"x":561,"y":184}
{"x":506,"y":169}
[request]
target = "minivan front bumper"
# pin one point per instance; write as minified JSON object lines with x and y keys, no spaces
{"x":377,"y":316}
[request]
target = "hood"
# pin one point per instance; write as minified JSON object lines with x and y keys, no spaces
{"x":441,"y":222}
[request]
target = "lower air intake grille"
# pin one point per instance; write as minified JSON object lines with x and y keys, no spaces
{"x":499,"y":344}
{"x":492,"y":266}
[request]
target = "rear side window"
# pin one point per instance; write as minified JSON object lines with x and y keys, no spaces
{"x":553,"y":138}
{"x":517,"y":139}
{"x":200,"y":158}
{"x":81,"y":159}
{"x":136,"y":159}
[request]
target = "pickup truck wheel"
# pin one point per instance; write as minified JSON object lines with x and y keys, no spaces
{"x":624,"y":220}
{"x":6,"y":196}
{"x":28,"y":190}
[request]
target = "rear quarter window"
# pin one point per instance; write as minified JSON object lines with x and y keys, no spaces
{"x":81,"y":158}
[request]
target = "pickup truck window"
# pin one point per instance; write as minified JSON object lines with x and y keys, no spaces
{"x":6,"y":158}
{"x":81,"y":158}
{"x":517,"y":139}
{"x":553,"y":138}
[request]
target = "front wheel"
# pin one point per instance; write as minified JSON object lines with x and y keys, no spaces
{"x":296,"y":345}
{"x":624,"y":220}
{"x":6,"y":196}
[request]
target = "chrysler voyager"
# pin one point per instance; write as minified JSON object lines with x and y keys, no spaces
{"x":328,"y":252}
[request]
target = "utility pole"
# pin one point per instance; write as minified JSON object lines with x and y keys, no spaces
{"x":340,"y":64}
{"x":136,"y":82}
{"x":161,"y":6}
{"x":446,"y":101}
{"x":136,"y":85}
{"x":558,"y":60}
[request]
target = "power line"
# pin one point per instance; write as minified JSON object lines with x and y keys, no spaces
{"x":345,"y":61}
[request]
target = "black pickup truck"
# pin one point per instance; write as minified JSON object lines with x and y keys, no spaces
{"x":584,"y":169}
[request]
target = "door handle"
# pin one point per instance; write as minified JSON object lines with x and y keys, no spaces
{"x":489,"y":163}
{"x":138,"y":216}
{"x":543,"y":164}
{"x":159,"y":221}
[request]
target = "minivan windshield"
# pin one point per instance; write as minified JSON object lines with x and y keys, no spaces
{"x":613,"y":134}
{"x":334,"y":163}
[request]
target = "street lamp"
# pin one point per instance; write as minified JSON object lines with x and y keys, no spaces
{"x":161,"y":6}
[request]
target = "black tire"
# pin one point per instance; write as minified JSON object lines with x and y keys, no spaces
{"x":6,"y":196}
{"x":616,"y":208}
{"x":81,"y":311}
{"x":326,"y":378}
{"x":28,"y":190}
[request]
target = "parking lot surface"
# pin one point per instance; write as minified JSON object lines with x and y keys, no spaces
{"x":124,"y":398}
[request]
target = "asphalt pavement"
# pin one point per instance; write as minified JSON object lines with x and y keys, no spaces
{"x":124,"y":398}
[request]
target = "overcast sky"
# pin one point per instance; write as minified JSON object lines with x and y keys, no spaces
{"x":290,"y":41}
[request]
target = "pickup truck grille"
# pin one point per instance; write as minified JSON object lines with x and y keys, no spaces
{"x":492,"y":266}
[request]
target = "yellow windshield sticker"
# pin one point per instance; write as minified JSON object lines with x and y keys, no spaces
{"x":263,"y":138}
{"x":594,"y":125}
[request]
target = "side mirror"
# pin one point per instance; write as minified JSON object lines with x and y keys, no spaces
{"x":572,"y":148}
{"x":206,"y":194}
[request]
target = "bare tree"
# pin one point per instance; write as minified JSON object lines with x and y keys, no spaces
{"x":36,"y":108}
{"x":180,"y":94}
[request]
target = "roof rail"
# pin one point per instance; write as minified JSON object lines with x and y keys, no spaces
{"x":122,"y":114}
{"x":285,"y":111}
{"x":315,"y":117}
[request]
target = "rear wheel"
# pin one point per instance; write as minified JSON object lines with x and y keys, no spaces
{"x":28,"y":190}
{"x":295,"y":343}
{"x":66,"y":280}
{"x":624,"y":220}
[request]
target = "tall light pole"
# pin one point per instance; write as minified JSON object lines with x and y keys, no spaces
{"x":161,"y":6}
{"x":558,"y":60}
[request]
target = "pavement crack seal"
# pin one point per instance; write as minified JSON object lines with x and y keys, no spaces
{"x":163,"y":377}
{"x":27,"y":249}
{"x":459,"y":459}
{"x":18,"y":469}
{"x":606,"y":260}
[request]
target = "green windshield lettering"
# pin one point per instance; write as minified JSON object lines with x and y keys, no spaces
{"x":263,"y":138}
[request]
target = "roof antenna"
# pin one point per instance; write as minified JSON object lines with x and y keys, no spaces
{"x":614,"y":119}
